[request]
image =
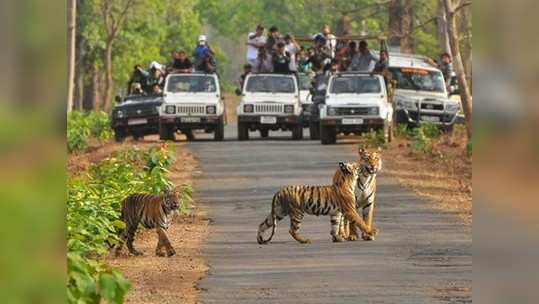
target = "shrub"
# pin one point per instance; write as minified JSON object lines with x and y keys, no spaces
{"x":422,"y":142}
{"x":93,"y":208}
{"x":83,"y":126}
{"x":430,"y":130}
{"x":374,"y":139}
{"x":402,"y":130}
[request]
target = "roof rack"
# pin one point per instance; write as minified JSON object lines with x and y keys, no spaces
{"x":348,"y":37}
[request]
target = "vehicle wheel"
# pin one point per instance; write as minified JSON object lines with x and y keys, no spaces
{"x":138,"y":136}
{"x":314,"y":131}
{"x":119,"y":135}
{"x":264,"y":133}
{"x":328,"y":135}
{"x":243,"y":131}
{"x":219,"y":132}
{"x":297,"y":132}
{"x":166,"y":132}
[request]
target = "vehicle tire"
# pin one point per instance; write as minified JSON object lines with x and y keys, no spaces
{"x":138,"y":137}
{"x":314,"y":130}
{"x":297,"y":132}
{"x":219,"y":132}
{"x":243,"y":131}
{"x":166,"y":132}
{"x":264,"y":133}
{"x":119,"y":135}
{"x":328,"y":135}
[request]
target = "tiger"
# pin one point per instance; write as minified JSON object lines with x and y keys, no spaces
{"x":152,"y":211}
{"x":370,"y":165}
{"x":336,"y":200}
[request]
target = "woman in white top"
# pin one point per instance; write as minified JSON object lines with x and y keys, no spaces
{"x":292,"y":47}
{"x":255,"y":41}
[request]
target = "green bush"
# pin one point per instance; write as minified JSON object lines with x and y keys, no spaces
{"x":83,"y":126}
{"x":374,"y":139}
{"x":402,"y":130}
{"x":421,"y":142}
{"x":469,"y":149}
{"x":430,"y":130}
{"x":93,"y":209}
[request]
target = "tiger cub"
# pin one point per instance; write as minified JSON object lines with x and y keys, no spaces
{"x":370,"y":165}
{"x":152,"y":211}
{"x":334,"y":200}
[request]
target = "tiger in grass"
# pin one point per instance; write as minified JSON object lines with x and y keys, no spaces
{"x":152,"y":211}
{"x":370,"y":163}
{"x":336,"y":200}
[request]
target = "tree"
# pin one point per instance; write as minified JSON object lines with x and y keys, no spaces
{"x":71,"y":28}
{"x":401,"y":25}
{"x":465,"y":95}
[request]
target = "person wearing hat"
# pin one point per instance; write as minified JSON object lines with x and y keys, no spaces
{"x":255,"y":41}
{"x":202,"y":51}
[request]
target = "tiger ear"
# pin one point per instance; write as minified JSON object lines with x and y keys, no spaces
{"x":342,"y":166}
{"x":361,"y":150}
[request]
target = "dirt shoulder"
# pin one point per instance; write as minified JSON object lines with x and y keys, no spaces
{"x":445,"y":176}
{"x":158,"y":279}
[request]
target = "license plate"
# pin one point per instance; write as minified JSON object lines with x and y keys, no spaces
{"x":139,"y":121}
{"x":352,"y":121}
{"x":190,"y":119}
{"x":268,"y":120}
{"x":430,"y":118}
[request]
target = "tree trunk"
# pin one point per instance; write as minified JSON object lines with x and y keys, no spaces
{"x":96,"y":98}
{"x":465,"y":29}
{"x":394,"y":10}
{"x":465,"y":95}
{"x":401,"y":25}
{"x":71,"y":29}
{"x":107,"y":60}
{"x":441,"y":21}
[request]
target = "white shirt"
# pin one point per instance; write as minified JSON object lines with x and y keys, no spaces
{"x":292,"y":50}
{"x":252,"y":51}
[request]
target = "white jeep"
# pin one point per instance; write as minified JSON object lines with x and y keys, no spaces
{"x":191,"y":102}
{"x":420,"y":93}
{"x":269,"y":102}
{"x":355,"y":103}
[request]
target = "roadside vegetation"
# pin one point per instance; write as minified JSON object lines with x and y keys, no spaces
{"x":85,"y":127}
{"x":93,"y":209}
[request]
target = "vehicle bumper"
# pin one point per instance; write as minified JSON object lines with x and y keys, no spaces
{"x":151,"y":126}
{"x":341,"y":125}
{"x":418,"y":117}
{"x":281,"y":122}
{"x":192,"y":122}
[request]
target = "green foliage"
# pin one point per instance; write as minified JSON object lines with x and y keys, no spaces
{"x":422,"y":142}
{"x":83,"y":126}
{"x":93,"y":222}
{"x":402,"y":130}
{"x":374,"y":139}
{"x":431,"y":130}
{"x":469,"y":149}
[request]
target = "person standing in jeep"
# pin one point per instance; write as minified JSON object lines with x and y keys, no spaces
{"x":255,"y":41}
{"x":281,"y":60}
{"x":180,"y":63}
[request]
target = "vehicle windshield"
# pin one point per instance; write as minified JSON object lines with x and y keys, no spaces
{"x":271,"y":84}
{"x":304,"y":82}
{"x":418,"y":79}
{"x":191,"y":84}
{"x":355,"y":85}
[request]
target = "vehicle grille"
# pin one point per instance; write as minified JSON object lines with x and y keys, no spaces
{"x":141,"y":112}
{"x":269,"y":108}
{"x":191,"y":109}
{"x":432,"y":106}
{"x":351,"y":111}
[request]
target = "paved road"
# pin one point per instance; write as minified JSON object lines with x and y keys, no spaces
{"x":420,"y":256}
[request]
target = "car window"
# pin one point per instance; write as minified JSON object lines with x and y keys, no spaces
{"x":355,"y":85}
{"x":418,"y":79}
{"x":270,"y":84}
{"x":191,"y":84}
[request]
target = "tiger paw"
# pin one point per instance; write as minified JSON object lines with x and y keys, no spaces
{"x":353,"y":237}
{"x":136,"y":253}
{"x":171,"y":253}
{"x":337,"y":239}
{"x":159,"y":253}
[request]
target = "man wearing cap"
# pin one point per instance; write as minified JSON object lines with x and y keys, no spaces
{"x":255,"y":41}
{"x":202,"y":50}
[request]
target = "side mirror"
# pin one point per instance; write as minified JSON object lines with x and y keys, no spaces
{"x":238,"y":92}
{"x":118,"y":99}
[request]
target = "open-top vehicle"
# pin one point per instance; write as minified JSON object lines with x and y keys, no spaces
{"x":305,"y":97}
{"x":269,"y":102}
{"x":136,"y":115}
{"x":355,"y":103}
{"x":191,"y":102}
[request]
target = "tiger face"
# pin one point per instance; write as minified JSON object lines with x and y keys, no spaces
{"x":171,"y":201}
{"x":349,"y":168}
{"x":370,"y":161}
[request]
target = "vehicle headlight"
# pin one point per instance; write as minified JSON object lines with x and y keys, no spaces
{"x":211,"y":109}
{"x":248,"y":108}
{"x":331,"y":111}
{"x":289,"y":109}
{"x":120,"y":114}
{"x":373,"y":111}
{"x":170,"y":109}
{"x":453,"y":107}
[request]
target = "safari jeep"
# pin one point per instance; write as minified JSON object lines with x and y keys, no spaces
{"x":420,"y":93}
{"x":191,"y":102}
{"x":136,"y":115}
{"x":355,"y":103}
{"x":269,"y":102}
{"x":305,"y":98}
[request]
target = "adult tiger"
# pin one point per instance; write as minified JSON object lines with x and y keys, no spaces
{"x":335,"y":200}
{"x":152,"y":211}
{"x":370,"y":165}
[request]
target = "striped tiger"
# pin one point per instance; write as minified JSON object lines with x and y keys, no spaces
{"x":336,"y":200}
{"x":370,"y":165}
{"x":152,"y":211}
